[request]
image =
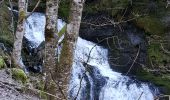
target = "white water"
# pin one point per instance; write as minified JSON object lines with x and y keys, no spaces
{"x":35,"y":26}
{"x":115,"y":85}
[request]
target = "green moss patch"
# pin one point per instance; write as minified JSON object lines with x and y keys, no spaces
{"x":151,"y":24}
{"x":19,"y":75}
{"x":2,"y":62}
{"x":156,"y":54}
{"x":110,"y":6}
{"x":62,"y":31}
{"x":163,"y":82}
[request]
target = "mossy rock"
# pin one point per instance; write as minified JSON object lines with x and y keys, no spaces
{"x":160,"y":81}
{"x":2,"y":62}
{"x":151,"y":25}
{"x":19,"y":75}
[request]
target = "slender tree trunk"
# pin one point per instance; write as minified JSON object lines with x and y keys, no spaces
{"x":66,"y":57}
{"x":19,"y":34}
{"x":50,"y":45}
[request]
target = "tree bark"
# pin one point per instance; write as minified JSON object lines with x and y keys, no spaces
{"x":50,"y":45}
{"x":19,"y":35}
{"x":69,"y":43}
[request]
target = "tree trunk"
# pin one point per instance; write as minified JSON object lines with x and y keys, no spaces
{"x":50,"y":45}
{"x":19,"y":34}
{"x":69,"y":42}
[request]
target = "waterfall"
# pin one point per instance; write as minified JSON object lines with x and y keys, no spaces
{"x":111,"y":85}
{"x":94,"y":79}
{"x":35,"y":25}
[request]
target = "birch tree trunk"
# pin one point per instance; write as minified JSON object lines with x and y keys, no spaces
{"x":66,"y":57}
{"x":50,"y":45}
{"x":19,"y":34}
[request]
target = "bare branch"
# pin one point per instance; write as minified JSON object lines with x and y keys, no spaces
{"x":134,"y":60}
{"x":37,"y":4}
{"x":111,"y":22}
{"x":57,"y":83}
{"x":166,"y":51}
{"x":140,"y":96}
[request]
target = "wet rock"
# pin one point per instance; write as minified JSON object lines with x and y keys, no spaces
{"x":33,"y":57}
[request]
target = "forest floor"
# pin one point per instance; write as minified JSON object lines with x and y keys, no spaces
{"x":10,"y":89}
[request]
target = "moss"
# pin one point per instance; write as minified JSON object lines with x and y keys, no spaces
{"x":110,"y":6}
{"x":19,"y":75}
{"x":162,"y":82}
{"x":2,"y":63}
{"x":151,"y":24}
{"x":22,"y":15}
{"x":62,"y":31}
{"x":156,"y":54}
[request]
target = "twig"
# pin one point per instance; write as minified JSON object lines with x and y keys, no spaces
{"x":168,"y":52}
{"x":140,"y":96}
{"x":134,"y":60}
{"x":123,"y":14}
{"x":79,"y":88}
{"x":58,"y":86}
{"x":31,"y":11}
{"x":37,"y":4}
{"x":112,"y":22}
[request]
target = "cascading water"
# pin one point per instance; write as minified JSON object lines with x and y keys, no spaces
{"x":35,"y":25}
{"x":110,"y":85}
{"x":92,"y":79}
